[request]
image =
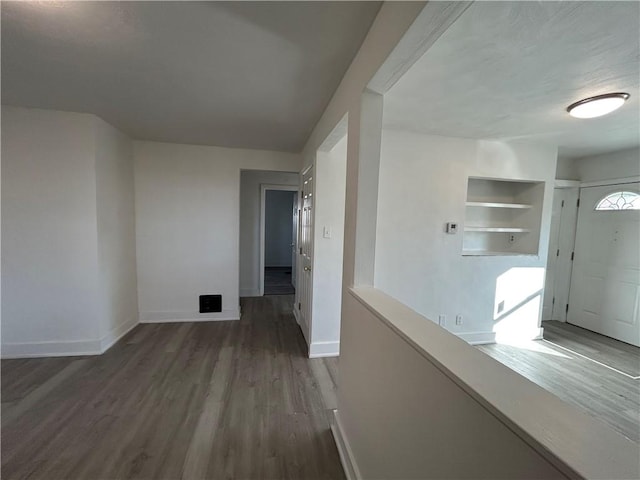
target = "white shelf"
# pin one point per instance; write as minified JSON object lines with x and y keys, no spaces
{"x":497,"y":229}
{"x":498,"y":205}
{"x":483,"y":253}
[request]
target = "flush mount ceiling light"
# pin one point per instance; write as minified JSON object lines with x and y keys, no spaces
{"x":597,"y":106}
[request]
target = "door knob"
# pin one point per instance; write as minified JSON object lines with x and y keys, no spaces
{"x":307,"y":269}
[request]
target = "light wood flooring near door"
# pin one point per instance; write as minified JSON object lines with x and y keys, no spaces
{"x":217,"y":400}
{"x":596,"y":373}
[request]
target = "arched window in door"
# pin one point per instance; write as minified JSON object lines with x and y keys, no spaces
{"x":619,"y":201}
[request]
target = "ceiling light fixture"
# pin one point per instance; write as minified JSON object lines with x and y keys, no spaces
{"x":597,"y":106}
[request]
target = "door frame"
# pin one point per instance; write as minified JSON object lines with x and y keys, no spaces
{"x":263,"y":197}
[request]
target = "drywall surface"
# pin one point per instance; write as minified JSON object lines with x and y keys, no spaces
{"x":250,"y":182}
{"x":49,"y":250}
{"x":416,"y":402}
{"x":187,"y":225}
{"x":423,"y":182}
{"x":278,"y":234}
{"x":330,"y":185}
{"x":625,"y":163}
{"x":388,"y":386}
{"x":566,"y":169}
{"x":116,"y":231}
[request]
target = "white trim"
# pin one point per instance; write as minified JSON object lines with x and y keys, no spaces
{"x":477,"y":338}
{"x":263,"y":192}
{"x":171,"y":317}
{"x":73,"y":348}
{"x":559,"y":183}
{"x":434,"y":19}
{"x":249,"y":292}
{"x":112,"y":337}
{"x":348,"y":461}
{"x":324,"y":349}
{"x":613,"y":181}
{"x":51,"y":349}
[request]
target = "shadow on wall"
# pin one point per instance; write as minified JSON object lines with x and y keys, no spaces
{"x":518,"y":303}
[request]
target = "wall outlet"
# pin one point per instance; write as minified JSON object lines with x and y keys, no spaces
{"x":512,"y":238}
{"x":458,"y":319}
{"x":442,"y":320}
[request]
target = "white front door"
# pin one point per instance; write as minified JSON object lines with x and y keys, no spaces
{"x":605,"y":286}
{"x":305,"y":249}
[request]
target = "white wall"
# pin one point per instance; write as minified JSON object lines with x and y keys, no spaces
{"x":67,"y":179}
{"x":116,"y":231}
{"x":621,"y":164}
{"x":187,"y":225}
{"x":423,"y":181}
{"x":49,"y":252}
{"x":278,"y":233}
{"x":330,"y":186}
{"x":565,"y":169}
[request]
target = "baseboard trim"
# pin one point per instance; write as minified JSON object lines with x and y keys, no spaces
{"x":478,"y":338}
{"x":74,"y":348}
{"x":324,"y":349}
{"x":347,"y":459}
{"x":173,"y":317}
{"x":111,"y":338}
{"x":249,"y":292}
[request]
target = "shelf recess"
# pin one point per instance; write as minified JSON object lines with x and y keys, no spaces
{"x":497,"y":229}
{"x":498,"y":205}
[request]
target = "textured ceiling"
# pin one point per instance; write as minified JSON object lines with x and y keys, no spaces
{"x":508,"y":70}
{"x":238,"y":74}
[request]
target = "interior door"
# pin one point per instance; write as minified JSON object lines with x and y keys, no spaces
{"x":552,"y":257}
{"x":305,"y":278}
{"x":560,"y":257}
{"x":294,"y":240}
{"x":605,"y":285}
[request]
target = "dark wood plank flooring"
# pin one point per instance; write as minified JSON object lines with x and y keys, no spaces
{"x":218,"y":400}
{"x":277,"y":281}
{"x":612,"y":397}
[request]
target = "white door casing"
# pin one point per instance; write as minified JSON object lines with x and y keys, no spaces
{"x":605,"y":285}
{"x":263,"y":200}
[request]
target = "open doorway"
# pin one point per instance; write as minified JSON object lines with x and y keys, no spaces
{"x":251,"y":225}
{"x":278,"y":222}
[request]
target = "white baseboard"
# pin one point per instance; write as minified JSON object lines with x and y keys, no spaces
{"x":249,"y":292}
{"x":324,"y":349}
{"x":51,"y":349}
{"x":349,"y":465}
{"x":74,"y":348}
{"x":172,"y":317}
{"x":116,"y":334}
{"x":478,"y":338}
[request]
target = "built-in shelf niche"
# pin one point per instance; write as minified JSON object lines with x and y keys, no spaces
{"x":502,"y":217}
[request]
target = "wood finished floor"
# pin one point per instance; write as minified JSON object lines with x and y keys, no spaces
{"x":217,"y":400}
{"x":610,"y":396}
